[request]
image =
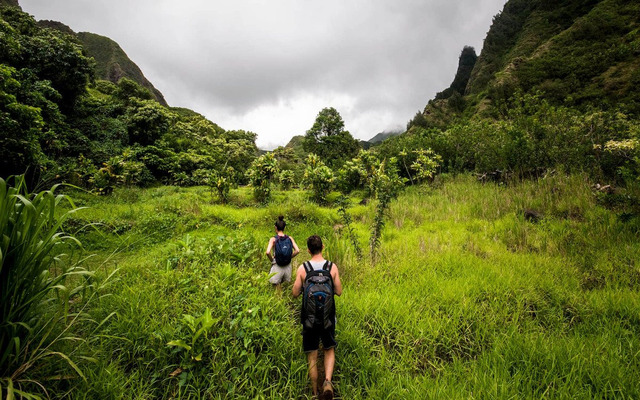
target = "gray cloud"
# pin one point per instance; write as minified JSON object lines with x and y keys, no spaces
{"x":241,"y":61}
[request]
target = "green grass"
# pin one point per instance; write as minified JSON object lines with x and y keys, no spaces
{"x":468,"y":299}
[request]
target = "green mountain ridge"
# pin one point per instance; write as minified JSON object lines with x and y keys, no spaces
{"x":10,"y":3}
{"x":581,"y":54}
{"x":112,"y":63}
{"x":383,"y":136}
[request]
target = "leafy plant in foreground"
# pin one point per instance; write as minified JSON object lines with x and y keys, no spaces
{"x":32,"y":266}
{"x":287,"y":179}
{"x":196,"y":328}
{"x":358,"y":173}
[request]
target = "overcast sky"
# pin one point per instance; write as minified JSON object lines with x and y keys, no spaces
{"x":271,"y":66}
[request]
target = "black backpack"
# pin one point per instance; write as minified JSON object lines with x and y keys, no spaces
{"x":318,"y":307}
{"x":283,"y":250}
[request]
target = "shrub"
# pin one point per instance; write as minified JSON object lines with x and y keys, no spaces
{"x":318,"y":178}
{"x":358,"y":173}
{"x":287,"y":179}
{"x":263,"y":171}
{"x":426,"y":164}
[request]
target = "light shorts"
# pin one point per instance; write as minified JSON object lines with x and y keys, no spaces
{"x":282,"y":274}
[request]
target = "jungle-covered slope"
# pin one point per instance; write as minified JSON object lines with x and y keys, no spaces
{"x":60,"y":123}
{"x":575,"y":53}
{"x":111,"y":62}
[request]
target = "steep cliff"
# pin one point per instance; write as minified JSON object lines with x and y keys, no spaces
{"x":112,"y":63}
{"x":576,"y":53}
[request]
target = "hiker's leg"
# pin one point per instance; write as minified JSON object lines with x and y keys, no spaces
{"x":329,"y":344}
{"x":312,"y":357}
{"x":329,"y":362}
{"x":276,"y":278}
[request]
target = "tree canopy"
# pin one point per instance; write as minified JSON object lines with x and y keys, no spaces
{"x":329,"y":140}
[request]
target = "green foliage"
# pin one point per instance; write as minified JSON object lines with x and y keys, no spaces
{"x":418,"y":120}
{"x":33,"y":268}
{"x":56,"y":129}
{"x":262,"y":173}
{"x":629,"y":151}
{"x":358,"y":173}
{"x":50,"y":54}
{"x":148,"y":121}
{"x":387,"y":185}
{"x":328,"y":139}
{"x":21,"y":127}
{"x":318,"y":178}
{"x":196,"y":328}
{"x":532,"y":137}
{"x":104,"y":180}
{"x":343,"y":210}
{"x":471,"y":292}
{"x":426,"y":164}
{"x":287,"y":179}
{"x":127,"y":90}
{"x":221,"y":183}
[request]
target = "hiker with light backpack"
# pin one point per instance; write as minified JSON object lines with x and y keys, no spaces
{"x":284,"y":249}
{"x":318,"y":280}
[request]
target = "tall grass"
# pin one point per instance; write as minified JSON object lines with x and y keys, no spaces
{"x":33,"y":268}
{"x":467,"y":298}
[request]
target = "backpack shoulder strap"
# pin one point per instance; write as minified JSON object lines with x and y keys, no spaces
{"x":327,"y":265}
{"x":307,"y":266}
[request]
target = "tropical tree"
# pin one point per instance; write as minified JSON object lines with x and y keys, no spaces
{"x":287,"y":179}
{"x":262,"y":172}
{"x":426,"y":164}
{"x":318,"y":178}
{"x":328,"y":139}
{"x":358,"y":173}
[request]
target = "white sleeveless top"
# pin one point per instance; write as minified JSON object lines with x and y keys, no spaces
{"x":317,"y":265}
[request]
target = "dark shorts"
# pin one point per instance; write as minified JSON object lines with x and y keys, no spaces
{"x":311,"y":339}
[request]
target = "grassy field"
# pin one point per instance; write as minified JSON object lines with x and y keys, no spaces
{"x":467,"y":298}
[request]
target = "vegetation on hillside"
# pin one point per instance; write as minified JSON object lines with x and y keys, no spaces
{"x":554,"y":87}
{"x":574,"y":53}
{"x":60,"y":124}
{"x":113,"y":64}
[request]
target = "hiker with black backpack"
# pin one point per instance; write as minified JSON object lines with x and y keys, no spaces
{"x":284,"y":249}
{"x":318,"y":280}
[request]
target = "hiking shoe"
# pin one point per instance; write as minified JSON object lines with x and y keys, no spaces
{"x":327,"y":391}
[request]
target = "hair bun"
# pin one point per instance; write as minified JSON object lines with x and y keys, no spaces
{"x":280,"y":218}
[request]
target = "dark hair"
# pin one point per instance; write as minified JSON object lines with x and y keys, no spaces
{"x":314,"y":244}
{"x":280,"y":224}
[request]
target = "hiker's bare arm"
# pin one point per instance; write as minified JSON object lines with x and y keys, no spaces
{"x":337,"y":285}
{"x":297,"y":285}
{"x":269,"y":246}
{"x":296,"y":250}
